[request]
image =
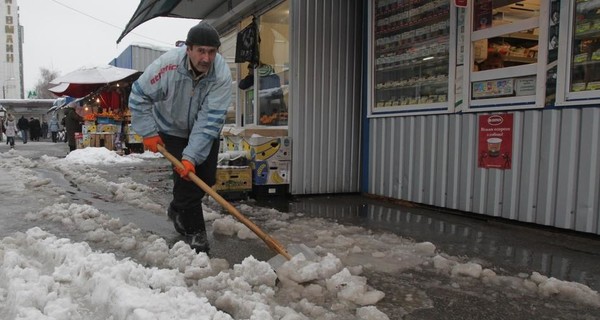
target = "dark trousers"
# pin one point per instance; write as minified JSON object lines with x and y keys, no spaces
{"x":24,"y":134}
{"x":187,"y":196}
{"x":54,"y":136}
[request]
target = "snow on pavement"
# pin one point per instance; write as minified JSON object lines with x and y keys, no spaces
{"x":138,"y":276}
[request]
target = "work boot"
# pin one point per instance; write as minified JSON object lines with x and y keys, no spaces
{"x":198,"y":242}
{"x":174,"y":216}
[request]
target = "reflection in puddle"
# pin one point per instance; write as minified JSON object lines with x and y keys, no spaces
{"x":514,"y":249}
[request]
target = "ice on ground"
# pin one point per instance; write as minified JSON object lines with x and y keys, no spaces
{"x":140,"y":276}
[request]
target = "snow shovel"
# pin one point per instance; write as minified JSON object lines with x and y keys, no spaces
{"x":275,"y":262}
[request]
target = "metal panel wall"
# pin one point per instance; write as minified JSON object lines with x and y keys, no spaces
{"x":554,"y":179}
{"x":142,"y":57}
{"x":137,"y":57}
{"x":326,"y":95}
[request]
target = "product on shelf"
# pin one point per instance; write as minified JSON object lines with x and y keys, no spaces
{"x":411,"y":52}
{"x":585,"y":59}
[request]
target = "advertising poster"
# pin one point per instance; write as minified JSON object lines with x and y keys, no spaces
{"x":495,"y":141}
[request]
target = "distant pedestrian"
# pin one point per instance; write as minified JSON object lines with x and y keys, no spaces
{"x":3,"y":131}
{"x":11,"y":130}
{"x":35,"y":129}
{"x":23,"y":126}
{"x":54,"y":127}
{"x":72,"y":124}
{"x":44,"y":129}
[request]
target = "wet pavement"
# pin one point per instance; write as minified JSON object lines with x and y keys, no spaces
{"x":509,"y":247}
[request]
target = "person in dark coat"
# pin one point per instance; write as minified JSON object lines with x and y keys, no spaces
{"x":72,"y":124}
{"x":23,"y":126}
{"x":44,"y":129}
{"x":3,"y":129}
{"x":35,"y":129}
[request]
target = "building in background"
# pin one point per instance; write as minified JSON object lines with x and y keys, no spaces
{"x":138,"y":56}
{"x":11,"y":52}
{"x":400,"y":99}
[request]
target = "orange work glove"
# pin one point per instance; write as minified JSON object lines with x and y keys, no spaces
{"x":187,"y":168}
{"x":150,"y":143}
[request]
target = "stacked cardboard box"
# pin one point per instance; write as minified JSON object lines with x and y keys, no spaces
{"x":87,"y":128}
{"x":132,"y":137}
{"x":271,"y":159}
{"x":233,"y":179}
{"x":106,"y":140}
{"x":270,"y":152}
{"x":79,"y":140}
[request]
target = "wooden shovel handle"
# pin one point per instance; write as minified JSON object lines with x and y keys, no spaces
{"x":271,"y":243}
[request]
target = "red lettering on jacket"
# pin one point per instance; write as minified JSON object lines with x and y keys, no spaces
{"x":162,"y":70}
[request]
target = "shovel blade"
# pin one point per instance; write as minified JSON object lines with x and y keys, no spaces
{"x":293,"y":250}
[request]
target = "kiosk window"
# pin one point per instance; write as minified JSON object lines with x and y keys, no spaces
{"x":265,"y":85}
{"x":411,"y":54}
{"x":504,"y":49}
{"x":585,"y":52}
{"x":577,"y":25}
{"x":505,"y":45}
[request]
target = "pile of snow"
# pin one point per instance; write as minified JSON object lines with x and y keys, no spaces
{"x":240,"y":291}
{"x":534,"y":284}
{"x":138,"y":276}
{"x":44,"y":277}
{"x":92,"y":155}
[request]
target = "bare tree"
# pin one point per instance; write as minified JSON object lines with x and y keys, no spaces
{"x":41,"y":87}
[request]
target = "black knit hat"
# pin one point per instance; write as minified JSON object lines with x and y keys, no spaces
{"x":203,"y":34}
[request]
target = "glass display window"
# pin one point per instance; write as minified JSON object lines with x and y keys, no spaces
{"x":270,"y":77}
{"x":227,"y":50}
{"x":581,"y":57}
{"x":411,"y":55}
{"x":505,"y":53}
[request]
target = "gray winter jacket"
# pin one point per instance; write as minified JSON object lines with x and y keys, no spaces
{"x":164,"y":99}
{"x":54,"y":127}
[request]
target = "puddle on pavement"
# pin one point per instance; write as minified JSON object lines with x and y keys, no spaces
{"x":511,"y":247}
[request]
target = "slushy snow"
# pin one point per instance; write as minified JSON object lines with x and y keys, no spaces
{"x":137,"y":275}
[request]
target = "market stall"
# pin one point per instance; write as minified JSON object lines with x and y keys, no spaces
{"x":101,"y":96}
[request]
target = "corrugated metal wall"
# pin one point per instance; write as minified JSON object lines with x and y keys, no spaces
{"x":326,"y":95}
{"x":137,"y":57}
{"x":554,"y":179}
{"x":142,"y":57}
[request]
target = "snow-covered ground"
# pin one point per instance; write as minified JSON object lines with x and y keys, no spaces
{"x":67,"y":259}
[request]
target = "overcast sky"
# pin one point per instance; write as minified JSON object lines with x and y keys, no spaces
{"x":65,"y":35}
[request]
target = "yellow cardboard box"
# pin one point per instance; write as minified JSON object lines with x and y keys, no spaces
{"x":269,"y":148}
{"x":233,"y":179}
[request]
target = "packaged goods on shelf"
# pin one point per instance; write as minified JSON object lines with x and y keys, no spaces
{"x":411,"y":52}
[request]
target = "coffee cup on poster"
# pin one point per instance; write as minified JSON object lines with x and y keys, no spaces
{"x":493,"y":145}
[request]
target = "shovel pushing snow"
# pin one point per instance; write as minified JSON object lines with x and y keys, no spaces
{"x":276,"y":261}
